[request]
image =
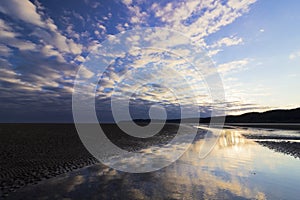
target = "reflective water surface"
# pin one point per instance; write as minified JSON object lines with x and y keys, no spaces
{"x":237,"y":168}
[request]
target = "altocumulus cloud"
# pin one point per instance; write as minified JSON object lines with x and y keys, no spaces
{"x":43,"y":43}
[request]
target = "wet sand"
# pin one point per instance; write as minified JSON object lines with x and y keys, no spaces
{"x":237,"y":168}
{"x":283,"y":126}
{"x":283,"y":141}
{"x":31,"y":153}
{"x":290,"y":148}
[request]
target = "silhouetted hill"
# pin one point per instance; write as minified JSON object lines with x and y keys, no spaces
{"x":272,"y":116}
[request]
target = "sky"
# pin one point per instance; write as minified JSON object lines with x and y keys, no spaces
{"x":253,"y":44}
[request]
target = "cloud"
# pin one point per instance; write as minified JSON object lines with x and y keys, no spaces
{"x":227,"y":41}
{"x":233,"y":66}
{"x":294,"y":55}
{"x":198,"y":19}
{"x":93,"y":4}
{"x":214,"y":52}
{"x":9,"y":38}
{"x":216,"y":47}
{"x":39,"y":85}
{"x":6,"y":31}
{"x":127,"y":2}
{"x":154,"y":67}
{"x":138,"y":16}
{"x":4,"y":50}
{"x":50,"y":51}
{"x":45,"y":57}
{"x":80,"y":58}
{"x":60,"y":41}
{"x":22,"y":10}
{"x":46,"y":29}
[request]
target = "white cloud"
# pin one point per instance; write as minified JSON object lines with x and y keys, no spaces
{"x":227,"y":41}
{"x":60,"y":41}
{"x":137,"y":16}
{"x":74,"y":47}
{"x":6,"y":31}
{"x":233,"y":66}
{"x":294,"y":55}
{"x":52,"y":42}
{"x":214,"y":52}
{"x":10,"y":76}
{"x":23,"y":10}
{"x":49,"y":51}
{"x":23,"y":44}
{"x":9,"y":38}
{"x":216,"y":47}
{"x":80,"y":58}
{"x":127,"y":2}
{"x":120,"y":27}
{"x":4,"y":50}
{"x":205,"y":24}
{"x":50,"y":35}
{"x":102,"y":27}
{"x":149,"y":67}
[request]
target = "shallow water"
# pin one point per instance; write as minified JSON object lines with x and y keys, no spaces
{"x":237,"y":168}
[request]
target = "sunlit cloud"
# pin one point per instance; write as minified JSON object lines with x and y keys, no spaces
{"x":198,"y":19}
{"x":227,"y":41}
{"x":22,"y":10}
{"x":233,"y":66}
{"x":42,"y":50}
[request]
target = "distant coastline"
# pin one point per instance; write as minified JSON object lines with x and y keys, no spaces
{"x":282,"y":119}
{"x":279,"y":119}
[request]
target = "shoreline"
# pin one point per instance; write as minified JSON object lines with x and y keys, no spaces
{"x":283,"y":126}
{"x":33,"y":153}
{"x":286,"y":147}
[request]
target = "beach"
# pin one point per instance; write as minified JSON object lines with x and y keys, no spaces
{"x":31,"y":153}
{"x":49,"y":161}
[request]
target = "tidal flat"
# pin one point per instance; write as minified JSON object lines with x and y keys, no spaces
{"x":48,"y":161}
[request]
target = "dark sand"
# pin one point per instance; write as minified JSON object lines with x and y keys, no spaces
{"x":31,"y":153}
{"x":283,"y":126}
{"x":237,"y":168}
{"x":275,"y":137}
{"x":290,"y":148}
{"x":279,"y":143}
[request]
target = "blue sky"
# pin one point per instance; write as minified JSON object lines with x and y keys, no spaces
{"x":254,"y":44}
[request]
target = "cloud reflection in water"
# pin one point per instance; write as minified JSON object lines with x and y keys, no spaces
{"x":237,"y":168}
